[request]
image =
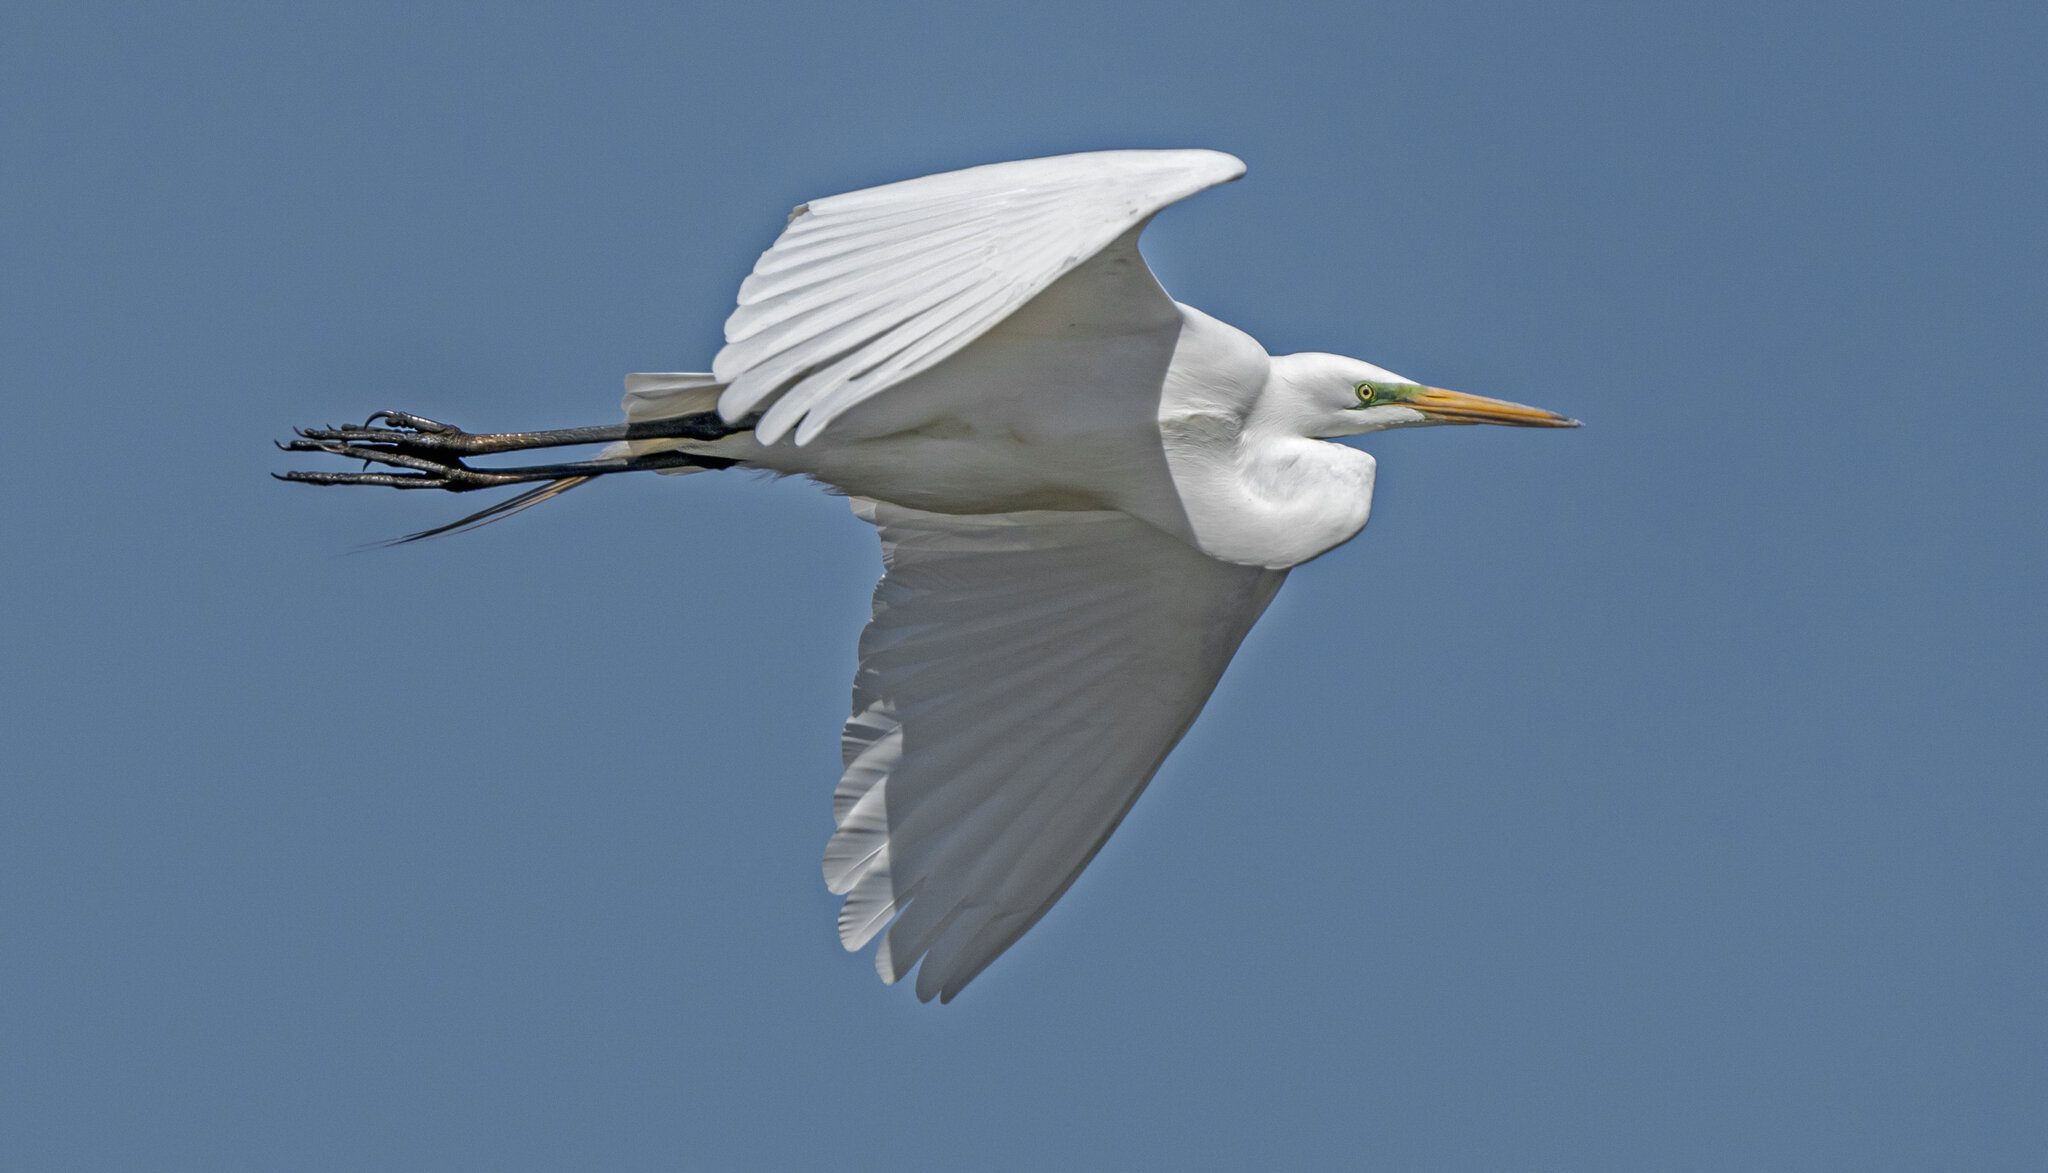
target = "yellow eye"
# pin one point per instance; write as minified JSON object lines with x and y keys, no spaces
{"x":1365,"y":394}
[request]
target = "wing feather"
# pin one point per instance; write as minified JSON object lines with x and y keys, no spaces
{"x":802,"y":307}
{"x":866,"y":289}
{"x":1024,"y":676}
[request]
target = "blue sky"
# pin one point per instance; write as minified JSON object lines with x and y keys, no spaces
{"x":1663,"y":794}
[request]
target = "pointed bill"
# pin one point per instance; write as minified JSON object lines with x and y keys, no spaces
{"x":1456,"y":407}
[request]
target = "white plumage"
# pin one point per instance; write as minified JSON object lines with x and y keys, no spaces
{"x":867,"y":289}
{"x":1024,"y":676}
{"x":1086,"y":494}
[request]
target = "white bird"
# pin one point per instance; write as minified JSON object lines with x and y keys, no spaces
{"x":1086,"y":493}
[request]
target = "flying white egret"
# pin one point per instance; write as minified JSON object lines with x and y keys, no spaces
{"x":1086,"y":492}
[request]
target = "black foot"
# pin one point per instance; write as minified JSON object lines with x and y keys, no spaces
{"x":430,"y":450}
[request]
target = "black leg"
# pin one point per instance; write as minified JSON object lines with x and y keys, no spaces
{"x":431,"y":452}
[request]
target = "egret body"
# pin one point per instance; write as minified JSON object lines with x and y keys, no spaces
{"x":1086,"y":494}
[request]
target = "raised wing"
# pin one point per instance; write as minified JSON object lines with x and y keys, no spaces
{"x":867,"y":289}
{"x":1023,"y":678}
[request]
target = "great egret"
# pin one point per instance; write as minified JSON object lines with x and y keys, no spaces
{"x":1086,"y":492}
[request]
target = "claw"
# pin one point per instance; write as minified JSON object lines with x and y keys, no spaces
{"x":417,"y":423}
{"x":440,"y":436}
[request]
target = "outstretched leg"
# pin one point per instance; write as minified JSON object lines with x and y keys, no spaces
{"x":430,"y":453}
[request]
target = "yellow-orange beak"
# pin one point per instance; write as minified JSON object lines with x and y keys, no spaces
{"x":1456,"y":407}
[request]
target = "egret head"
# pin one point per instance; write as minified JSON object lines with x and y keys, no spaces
{"x":1328,"y":395}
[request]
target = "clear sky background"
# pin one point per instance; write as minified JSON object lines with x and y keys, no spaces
{"x":1666,"y":794}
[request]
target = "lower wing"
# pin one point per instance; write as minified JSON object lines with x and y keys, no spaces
{"x":1023,"y":678}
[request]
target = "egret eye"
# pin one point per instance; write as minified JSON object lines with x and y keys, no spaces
{"x":1366,"y":393}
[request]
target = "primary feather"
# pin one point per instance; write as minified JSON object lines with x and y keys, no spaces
{"x":1022,"y":679}
{"x":867,"y":289}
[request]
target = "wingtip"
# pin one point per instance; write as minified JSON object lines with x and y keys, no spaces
{"x":1234,"y":165}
